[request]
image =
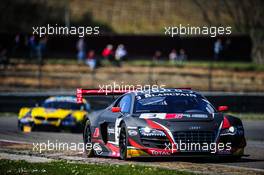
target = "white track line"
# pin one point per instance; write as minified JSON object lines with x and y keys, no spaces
{"x":13,"y":141}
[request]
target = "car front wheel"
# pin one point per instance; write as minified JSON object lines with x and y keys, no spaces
{"x":123,"y":142}
{"x":87,"y":138}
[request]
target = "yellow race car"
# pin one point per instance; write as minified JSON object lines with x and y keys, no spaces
{"x":59,"y":112}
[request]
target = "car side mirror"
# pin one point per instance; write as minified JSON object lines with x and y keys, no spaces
{"x":222,"y":108}
{"x":116,"y":109}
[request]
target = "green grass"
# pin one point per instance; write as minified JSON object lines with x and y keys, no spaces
{"x":249,"y":116}
{"x":64,"y":168}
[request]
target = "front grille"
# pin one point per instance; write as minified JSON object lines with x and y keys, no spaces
{"x":52,"y":119}
{"x":48,"y":119}
{"x":40,"y":118}
{"x":155,"y":142}
{"x":194,"y":137}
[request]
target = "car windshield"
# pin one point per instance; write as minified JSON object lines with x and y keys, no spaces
{"x":64,"y":105}
{"x":173,"y":104}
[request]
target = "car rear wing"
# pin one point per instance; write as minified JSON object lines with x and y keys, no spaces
{"x":81,"y":93}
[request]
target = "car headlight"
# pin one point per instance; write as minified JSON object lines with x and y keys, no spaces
{"x":150,"y":132}
{"x":229,"y":131}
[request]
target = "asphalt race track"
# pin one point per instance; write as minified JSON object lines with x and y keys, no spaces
{"x":254,"y":134}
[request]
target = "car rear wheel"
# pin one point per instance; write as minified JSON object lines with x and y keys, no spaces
{"x":87,"y":138}
{"x":19,"y":126}
{"x":25,"y":127}
{"x":123,"y":142}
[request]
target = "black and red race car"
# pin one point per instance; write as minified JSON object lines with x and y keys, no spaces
{"x":164,"y":122}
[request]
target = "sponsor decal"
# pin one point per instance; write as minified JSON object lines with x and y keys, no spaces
{"x":174,"y":116}
{"x":170,"y":94}
{"x":111,"y":130}
{"x":194,"y":127}
{"x":132,"y":132}
{"x":117,"y":130}
{"x":79,"y":97}
{"x":97,"y":148}
{"x":153,"y":115}
{"x":160,"y":153}
{"x":199,"y":116}
{"x":171,"y":116}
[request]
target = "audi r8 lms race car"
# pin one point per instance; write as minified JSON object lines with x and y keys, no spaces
{"x":60,"y":112}
{"x":167,"y":122}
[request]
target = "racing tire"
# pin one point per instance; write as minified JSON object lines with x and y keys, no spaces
{"x":123,"y":142}
{"x":77,"y":129}
{"x":19,"y":126}
{"x":87,"y":139}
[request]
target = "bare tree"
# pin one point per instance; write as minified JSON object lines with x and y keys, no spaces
{"x":246,"y":17}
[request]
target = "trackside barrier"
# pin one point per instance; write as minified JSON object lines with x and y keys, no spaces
{"x":237,"y":102}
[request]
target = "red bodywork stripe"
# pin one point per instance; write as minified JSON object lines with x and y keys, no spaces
{"x":135,"y":144}
{"x":156,"y":126}
{"x":96,"y":133}
{"x":114,"y":150}
{"x":226,"y":123}
{"x":153,"y":124}
{"x":112,"y":147}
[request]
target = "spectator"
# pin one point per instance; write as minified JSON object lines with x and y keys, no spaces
{"x":91,"y":60}
{"x":173,"y":55}
{"x":157,"y":56}
{"x":15,"y":50}
{"x":17,"y":39}
{"x":226,"y":52}
{"x":182,"y":56}
{"x":41,"y":48}
{"x":81,"y":50}
{"x":32,"y":46}
{"x":108,"y":53}
{"x":218,"y":47}
{"x":120,"y":53}
{"x":4,"y":61}
{"x":43,"y":44}
{"x":26,"y":47}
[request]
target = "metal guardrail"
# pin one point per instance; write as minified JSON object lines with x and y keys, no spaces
{"x":237,"y":101}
